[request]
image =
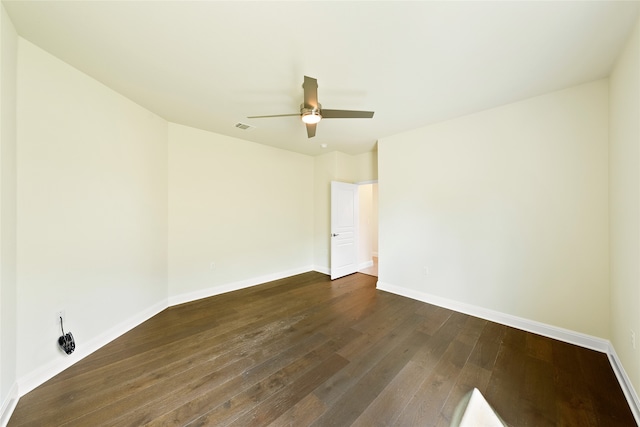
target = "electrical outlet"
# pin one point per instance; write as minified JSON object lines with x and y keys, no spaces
{"x":426,"y":270}
{"x":212,"y":266}
{"x":633,"y":339}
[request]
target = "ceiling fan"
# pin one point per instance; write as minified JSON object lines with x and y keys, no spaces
{"x":312,"y":112}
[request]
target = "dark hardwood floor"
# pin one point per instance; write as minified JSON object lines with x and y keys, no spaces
{"x":308,"y":351}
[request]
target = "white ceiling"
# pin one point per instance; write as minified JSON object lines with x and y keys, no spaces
{"x":210,"y":64}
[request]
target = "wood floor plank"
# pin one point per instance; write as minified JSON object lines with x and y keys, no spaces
{"x":306,"y":350}
{"x":302,"y":413}
{"x":435,"y":317}
{"x":458,"y":337}
{"x":335,"y":387}
{"x":425,"y":406}
{"x":603,"y":389}
{"x":485,"y":352}
{"x":471,"y":376}
{"x":190,"y":388}
{"x":199,"y":401}
{"x":365,"y":390}
{"x":277,"y":404}
{"x":258,"y":372}
{"x":508,"y":376}
{"x":573,"y":407}
{"x":380,"y":324}
{"x":471,"y":330}
{"x":539,"y":347}
{"x":392,"y":400}
{"x":537,"y":399}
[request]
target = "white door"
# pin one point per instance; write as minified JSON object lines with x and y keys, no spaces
{"x":344,"y":229}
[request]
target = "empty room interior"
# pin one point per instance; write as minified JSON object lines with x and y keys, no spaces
{"x":169,"y":188}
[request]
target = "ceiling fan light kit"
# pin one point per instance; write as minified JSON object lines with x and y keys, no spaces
{"x":310,"y":115}
{"x":311,"y":111}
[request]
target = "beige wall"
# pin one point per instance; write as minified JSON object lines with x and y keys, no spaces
{"x":8,"y":290}
{"x":624,"y":175}
{"x":245,"y":207}
{"x":507,"y":208}
{"x":92,"y":208}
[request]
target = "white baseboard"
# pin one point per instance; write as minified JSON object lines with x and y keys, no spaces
{"x":53,"y":368}
{"x":365,"y":264}
{"x":550,"y":331}
{"x":9,"y":405}
{"x":230,"y":287}
{"x":323,"y":270}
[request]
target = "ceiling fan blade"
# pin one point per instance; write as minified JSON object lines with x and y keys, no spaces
{"x":346,"y":114}
{"x":310,"y":87}
{"x":311,"y":129}
{"x":275,"y":115}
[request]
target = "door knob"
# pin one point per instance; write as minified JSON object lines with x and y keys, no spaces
{"x":334,"y":235}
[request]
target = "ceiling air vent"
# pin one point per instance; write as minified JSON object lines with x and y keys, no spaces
{"x":244,"y":126}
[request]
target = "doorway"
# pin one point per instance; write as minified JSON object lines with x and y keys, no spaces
{"x":368,"y":228}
